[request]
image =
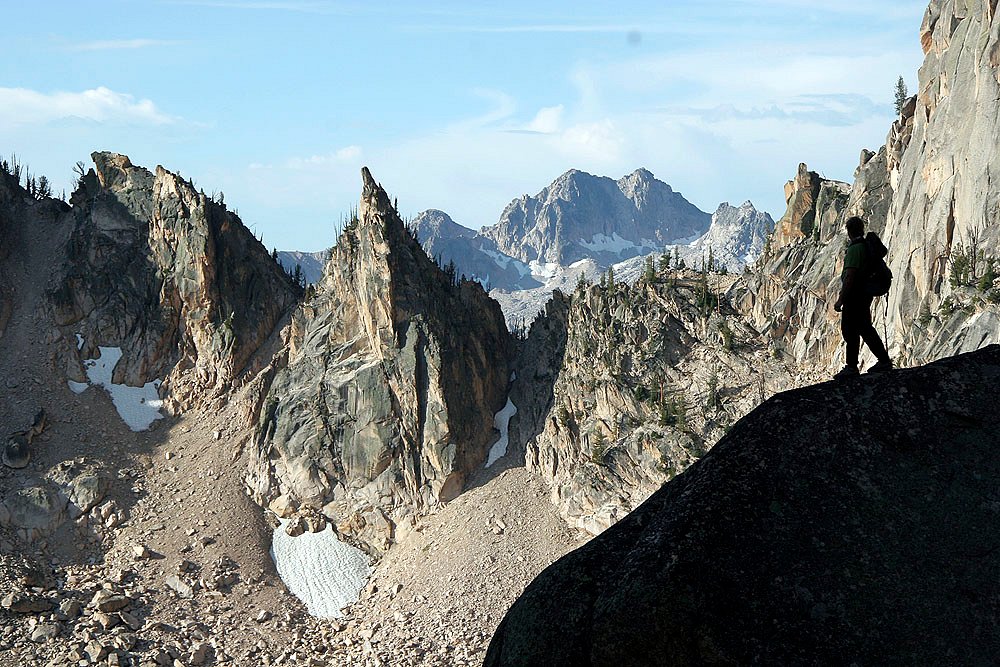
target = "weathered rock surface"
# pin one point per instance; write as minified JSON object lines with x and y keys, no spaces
{"x":393,"y":377}
{"x":930,"y":194}
{"x":170,"y":276}
{"x":651,"y":375}
{"x":843,"y":523}
{"x":583,"y":216}
{"x":942,"y":161}
{"x":789,"y":294}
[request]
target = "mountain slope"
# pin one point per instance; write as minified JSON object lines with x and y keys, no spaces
{"x":580,"y":216}
{"x":473,"y":254}
{"x":848,"y":522}
{"x":171,"y":277}
{"x":310,"y":263}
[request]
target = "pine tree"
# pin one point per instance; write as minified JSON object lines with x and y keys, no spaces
{"x":649,"y":274}
{"x":901,"y":95}
{"x":664,"y":262}
{"x":44,"y":189}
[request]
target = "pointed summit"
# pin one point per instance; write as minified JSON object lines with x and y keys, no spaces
{"x":376,"y":392}
{"x":585,"y":216}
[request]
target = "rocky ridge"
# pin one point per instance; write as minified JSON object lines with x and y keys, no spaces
{"x":171,"y":277}
{"x":649,"y":376}
{"x":385,"y":405}
{"x":736,"y":236}
{"x":824,"y":527}
{"x":928,"y":192}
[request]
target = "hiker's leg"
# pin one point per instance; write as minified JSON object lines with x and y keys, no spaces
{"x":852,"y":338}
{"x":870,"y":334}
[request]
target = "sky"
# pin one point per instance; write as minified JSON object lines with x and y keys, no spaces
{"x":453,"y":105}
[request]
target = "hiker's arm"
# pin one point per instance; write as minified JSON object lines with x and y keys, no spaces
{"x":847,"y":288}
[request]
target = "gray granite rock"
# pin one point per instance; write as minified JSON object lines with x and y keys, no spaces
{"x":827,"y":527}
{"x":394,"y":372}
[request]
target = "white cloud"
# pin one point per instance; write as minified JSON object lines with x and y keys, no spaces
{"x":547,"y":120}
{"x":21,"y":106}
{"x":117,"y":44}
{"x":503,"y":107}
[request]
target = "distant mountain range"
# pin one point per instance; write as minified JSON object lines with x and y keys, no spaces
{"x":579,"y":224}
{"x":311,"y":263}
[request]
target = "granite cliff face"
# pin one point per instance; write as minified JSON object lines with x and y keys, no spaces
{"x":583,"y":216}
{"x":173,"y":278}
{"x":827,"y":527}
{"x":929,"y":192}
{"x":945,"y":198}
{"x":385,"y":404}
{"x":649,"y":376}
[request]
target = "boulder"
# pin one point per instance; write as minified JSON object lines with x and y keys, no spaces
{"x":842,"y":523}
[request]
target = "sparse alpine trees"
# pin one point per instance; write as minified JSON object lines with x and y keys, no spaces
{"x":901,"y":95}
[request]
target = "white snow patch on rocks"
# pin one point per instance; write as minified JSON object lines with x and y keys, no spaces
{"x":319,"y":569}
{"x":138,"y":407}
{"x":501,"y":421}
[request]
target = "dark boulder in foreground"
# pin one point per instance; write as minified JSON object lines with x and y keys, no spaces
{"x":843,"y":523}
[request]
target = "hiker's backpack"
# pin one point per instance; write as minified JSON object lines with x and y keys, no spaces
{"x":878,"y":276}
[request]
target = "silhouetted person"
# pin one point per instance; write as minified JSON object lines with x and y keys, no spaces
{"x":856,"y":303}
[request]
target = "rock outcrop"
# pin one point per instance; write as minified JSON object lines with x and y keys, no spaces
{"x":843,"y":523}
{"x":583,"y":216}
{"x":393,"y":377}
{"x":171,"y":277}
{"x":930,"y":194}
{"x":651,"y":375}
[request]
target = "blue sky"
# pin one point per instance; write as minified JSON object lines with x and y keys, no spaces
{"x":452,"y":105}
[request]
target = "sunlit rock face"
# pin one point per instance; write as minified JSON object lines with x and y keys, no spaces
{"x":394,"y":374}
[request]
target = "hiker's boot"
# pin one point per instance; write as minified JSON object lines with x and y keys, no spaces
{"x":847,"y":372}
{"x":881,"y":367}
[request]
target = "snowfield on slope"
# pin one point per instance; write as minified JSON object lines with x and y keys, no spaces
{"x":501,"y":421}
{"x":138,"y":407}
{"x":320,"y":570}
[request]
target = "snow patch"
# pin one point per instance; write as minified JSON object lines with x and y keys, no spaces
{"x":503,"y":261}
{"x":501,"y":421}
{"x":79,"y":342}
{"x":320,"y":570}
{"x":138,"y":407}
{"x":604,"y":243}
{"x":544,"y":270}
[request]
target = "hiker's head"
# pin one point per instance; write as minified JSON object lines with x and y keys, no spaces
{"x":855,"y":227}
